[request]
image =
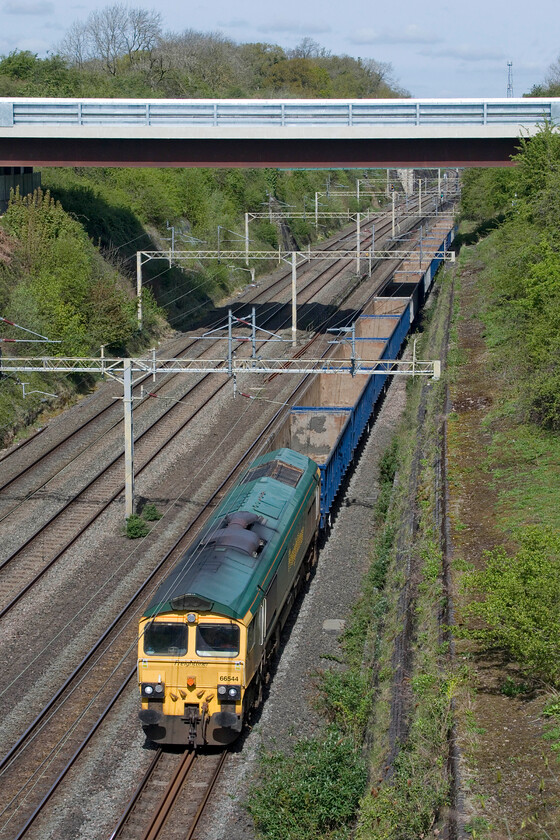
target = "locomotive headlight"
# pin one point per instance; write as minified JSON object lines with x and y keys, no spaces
{"x":154,"y":691}
{"x":229,"y":693}
{"x":191,"y":618}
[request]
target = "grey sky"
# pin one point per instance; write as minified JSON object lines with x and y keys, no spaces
{"x":437,"y":48}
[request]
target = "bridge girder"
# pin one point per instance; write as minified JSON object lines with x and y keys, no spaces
{"x":285,"y":153}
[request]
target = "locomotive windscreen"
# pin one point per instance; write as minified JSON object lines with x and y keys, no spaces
{"x":162,"y":639}
{"x":217,"y":640}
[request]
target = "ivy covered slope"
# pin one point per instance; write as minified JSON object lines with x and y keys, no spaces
{"x":54,"y":282}
{"x":522,"y":273}
{"x":515,"y":591}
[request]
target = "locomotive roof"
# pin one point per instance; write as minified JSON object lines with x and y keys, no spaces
{"x":225,"y":571}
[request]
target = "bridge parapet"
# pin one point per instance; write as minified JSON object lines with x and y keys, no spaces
{"x":223,"y":114}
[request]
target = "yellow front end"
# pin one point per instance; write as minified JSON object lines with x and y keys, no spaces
{"x":192,"y":678}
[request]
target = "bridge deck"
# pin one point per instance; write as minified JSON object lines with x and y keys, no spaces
{"x":291,"y":132}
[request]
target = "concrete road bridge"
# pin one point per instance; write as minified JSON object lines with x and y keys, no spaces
{"x":330,"y":133}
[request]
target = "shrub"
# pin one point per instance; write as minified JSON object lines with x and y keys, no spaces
{"x":345,"y":699}
{"x":519,"y":602}
{"x":136,"y":527}
{"x":312,"y":793}
{"x":150,"y":513}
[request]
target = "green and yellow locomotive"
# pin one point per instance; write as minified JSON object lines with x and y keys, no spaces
{"x":206,"y":637}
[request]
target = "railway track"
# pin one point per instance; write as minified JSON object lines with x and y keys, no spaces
{"x":35,"y":460}
{"x":59,"y":532}
{"x":74,"y":715}
{"x":189,"y":782}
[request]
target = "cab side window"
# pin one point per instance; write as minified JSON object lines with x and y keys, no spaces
{"x":255,"y":630}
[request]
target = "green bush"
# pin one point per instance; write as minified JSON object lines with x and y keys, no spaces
{"x":136,"y":527}
{"x":519,"y":598}
{"x":150,"y":513}
{"x":57,"y":283}
{"x":312,"y":793}
{"x":522,"y":273}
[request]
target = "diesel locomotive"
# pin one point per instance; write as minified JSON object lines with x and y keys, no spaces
{"x":206,"y":639}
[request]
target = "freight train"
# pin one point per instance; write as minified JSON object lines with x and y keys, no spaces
{"x":207,"y":637}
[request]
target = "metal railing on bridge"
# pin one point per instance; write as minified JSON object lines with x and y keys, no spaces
{"x":290,"y":112}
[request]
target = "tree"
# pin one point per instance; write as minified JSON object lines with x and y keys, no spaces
{"x":300,"y":77}
{"x":200,"y":63}
{"x":18,"y":64}
{"x":308,"y":48}
{"x":75,"y":45}
{"x":111,"y":34}
{"x":257,"y":60}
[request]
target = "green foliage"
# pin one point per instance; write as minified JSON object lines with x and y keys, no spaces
{"x":486,"y":193}
{"x":64,"y":291}
{"x":519,"y":603}
{"x":150,"y":513}
{"x":432,"y":560}
{"x":136,"y":527}
{"x":522,"y":274}
{"x":311,"y":794}
{"x":267,"y":233}
{"x":388,"y":463}
{"x":387,"y":471}
{"x":23,"y":74}
{"x":345,"y":699}
{"x":299,"y":76}
{"x":403,"y":805}
{"x":552,"y":709}
{"x":136,"y":524}
{"x":551,"y":713}
{"x":55,"y":283}
{"x":511,"y":687}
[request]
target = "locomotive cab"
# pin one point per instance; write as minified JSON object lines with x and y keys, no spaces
{"x":191,"y":677}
